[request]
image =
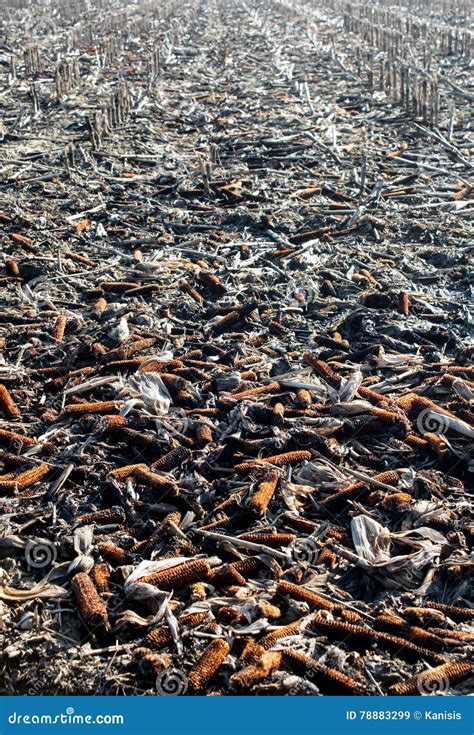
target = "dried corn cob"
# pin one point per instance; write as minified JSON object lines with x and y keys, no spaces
{"x":179,"y":576}
{"x":285,"y":631}
{"x":149,"y":544}
{"x":433,"y":680}
{"x":100,"y":575}
{"x":261,"y":390}
{"x":123,"y":353}
{"x":208,"y":664}
{"x":423,"y":616}
{"x":212,"y":282}
{"x":123,"y":472}
{"x":406,"y":650}
{"x":304,"y":397}
{"x":264,"y":493}
{"x":278,"y":460}
{"x":390,"y":477}
{"x":91,"y":607}
{"x":155,"y":480}
{"x":100,"y":305}
{"x":251,"y":675}
{"x":60,"y":327}
{"x":186,"y":287}
{"x":455,"y":635}
{"x":315,"y":601}
{"x":7,"y":405}
{"x":161,"y":637}
{"x":394,"y":624}
{"x":94,"y":408}
{"x":12,"y":267}
{"x":323,"y":370}
{"x":459,"y":614}
{"x":102,"y":517}
{"x":113,"y":553}
{"x":25,"y":479}
{"x":113,"y":423}
{"x":149,"y":663}
{"x":403,"y":303}
{"x":175,"y":458}
{"x":203,"y":435}
{"x":327,"y":679}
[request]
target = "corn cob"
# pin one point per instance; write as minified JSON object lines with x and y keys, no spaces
{"x":406,"y":650}
{"x":114,"y":554}
{"x":94,"y":408}
{"x":149,"y":544}
{"x":155,"y":480}
{"x":415,"y":441}
{"x":304,"y":397}
{"x":459,"y":614}
{"x":203,"y":435}
{"x":423,"y":616}
{"x":100,"y":575}
{"x":208,"y":664}
{"x":264,"y":493}
{"x":327,"y":679}
{"x":337,"y":630}
{"x":12,"y":268}
{"x":117,"y":286}
{"x":212,"y":282}
{"x":278,"y":460}
{"x":186,"y":287}
{"x":251,"y":675}
{"x":133,"y":364}
{"x":7,"y":405}
{"x":323,"y":370}
{"x":149,"y":663}
{"x":113,"y":423}
{"x":60,"y":327}
{"x":394,"y":624}
{"x":123,"y":353}
{"x":175,"y":458}
{"x":456,"y":635}
{"x":389,"y":477}
{"x":123,"y":472}
{"x":252,"y":652}
{"x":100,"y":305}
{"x":284,"y":631}
{"x":261,"y":390}
{"x":403,"y":303}
{"x":25,"y":479}
{"x":179,"y":576}
{"x":102,"y":517}
{"x":315,"y":601}
{"x":433,"y":680}
{"x":161,"y":637}
{"x":243,"y":568}
{"x":328,"y":556}
{"x":91,"y":607}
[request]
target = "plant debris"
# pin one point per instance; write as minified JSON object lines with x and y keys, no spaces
{"x":236,"y":383}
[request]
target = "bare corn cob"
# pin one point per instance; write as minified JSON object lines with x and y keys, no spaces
{"x":100,"y":575}
{"x":264,"y":493}
{"x":284,"y":631}
{"x":114,"y":554}
{"x":203,"y":435}
{"x":315,"y":601}
{"x":208,"y":664}
{"x":155,"y":480}
{"x":456,"y":635}
{"x":261,"y":390}
{"x":212,"y":282}
{"x":406,"y":650}
{"x":394,"y":624}
{"x":179,"y":576}
{"x":91,"y":607}
{"x":25,"y":479}
{"x":7,"y":405}
{"x":403,"y":303}
{"x":278,"y":460}
{"x":149,"y":544}
{"x":123,"y":472}
{"x":251,"y":675}
{"x":113,"y":423}
{"x":100,"y":305}
{"x":459,"y":614}
{"x":327,"y":679}
{"x":161,"y":637}
{"x":123,"y":353}
{"x":390,"y":477}
{"x":175,"y":458}
{"x":433,"y":680}
{"x":94,"y":408}
{"x":186,"y":287}
{"x":102,"y":517}
{"x":149,"y":663}
{"x":60,"y":327}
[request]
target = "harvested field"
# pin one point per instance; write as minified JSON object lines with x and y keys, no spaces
{"x":236,"y":378}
